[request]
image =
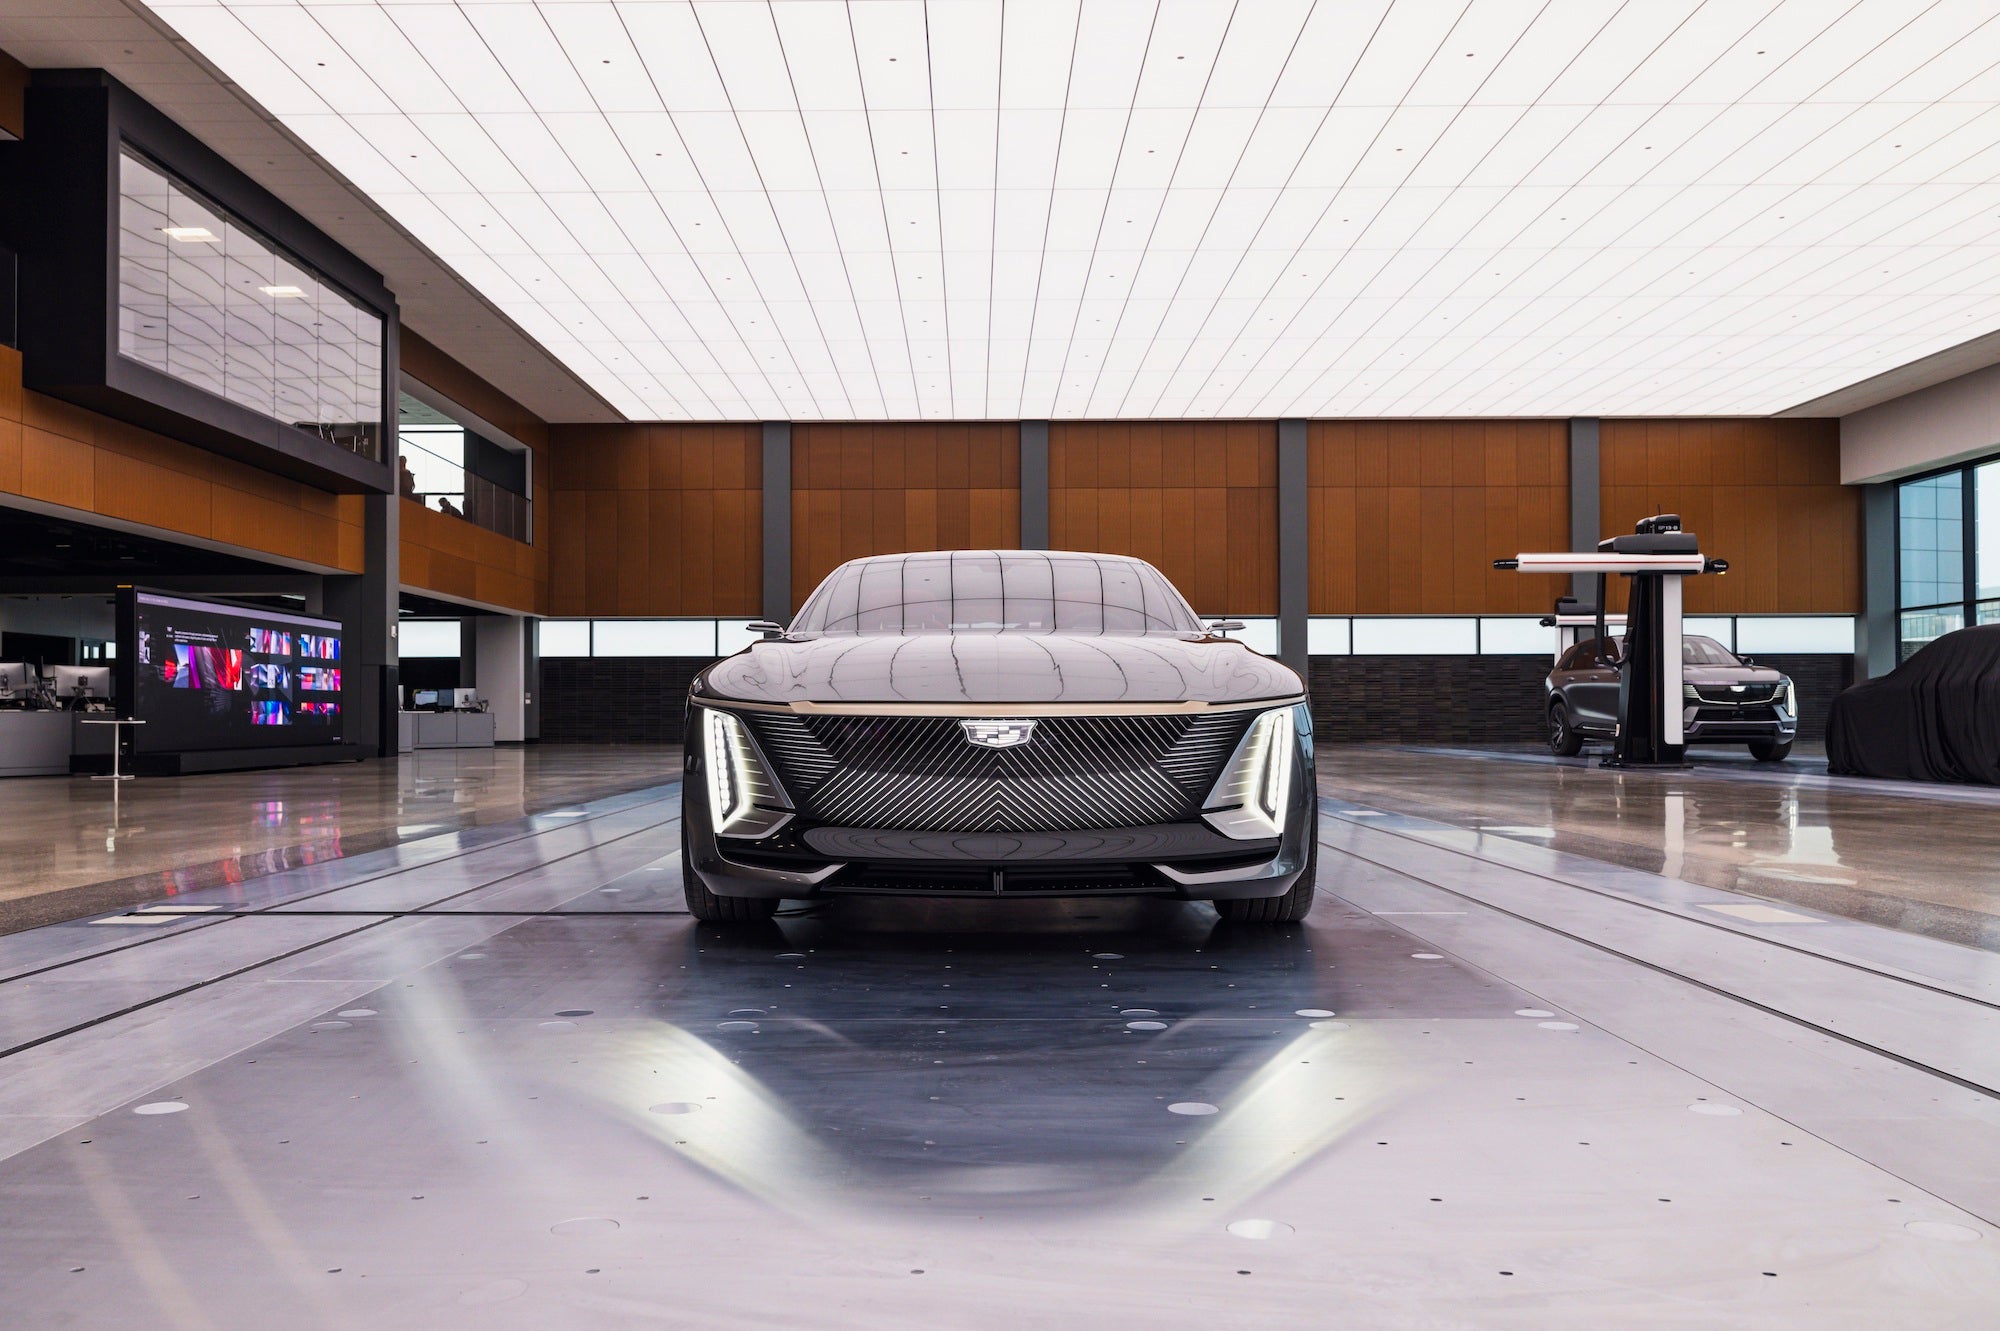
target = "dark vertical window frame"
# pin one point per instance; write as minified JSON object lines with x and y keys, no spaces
{"x":82,"y":120}
{"x":1968,"y":526}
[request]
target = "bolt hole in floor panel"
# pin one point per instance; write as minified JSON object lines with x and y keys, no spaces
{"x":1430,"y":1105}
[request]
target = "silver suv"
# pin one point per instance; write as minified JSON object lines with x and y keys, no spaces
{"x":1725,"y":699}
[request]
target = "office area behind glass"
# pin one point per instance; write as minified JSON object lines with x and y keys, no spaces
{"x":26,"y":686}
{"x":55,"y":673}
{"x":441,"y":718}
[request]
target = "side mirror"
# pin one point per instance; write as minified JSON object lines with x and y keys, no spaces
{"x":1225,"y":627}
{"x":769,"y":628}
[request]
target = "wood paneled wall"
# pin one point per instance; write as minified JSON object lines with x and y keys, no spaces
{"x":452,"y":557}
{"x":13,"y":95}
{"x":1197,"y":499}
{"x":1763,"y":494}
{"x":1408,"y":516}
{"x":455,"y":559}
{"x":62,"y":454}
{"x":653,"y":519}
{"x":882,"y":489}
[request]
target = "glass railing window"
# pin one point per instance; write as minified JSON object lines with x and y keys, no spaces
{"x":433,"y":469}
{"x":210,"y":301}
{"x":431,"y":465}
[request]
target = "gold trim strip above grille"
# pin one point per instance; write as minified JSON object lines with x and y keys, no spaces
{"x":1001,"y":710}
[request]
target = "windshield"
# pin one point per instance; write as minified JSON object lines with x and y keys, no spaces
{"x":1706,"y":651}
{"x":996,"y":592}
{"x":1694,"y":651}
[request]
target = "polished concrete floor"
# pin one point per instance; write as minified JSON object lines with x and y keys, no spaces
{"x":1913,"y":856}
{"x":70,"y":846}
{"x":1504,"y":1076}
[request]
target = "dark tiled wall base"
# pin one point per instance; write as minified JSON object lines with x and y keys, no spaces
{"x":1427,"y":699}
{"x":1819,"y":679}
{"x":1356,"y":699}
{"x":616,"y":699}
{"x":1474,"y":700}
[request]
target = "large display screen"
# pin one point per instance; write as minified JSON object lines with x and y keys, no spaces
{"x":204,"y":675}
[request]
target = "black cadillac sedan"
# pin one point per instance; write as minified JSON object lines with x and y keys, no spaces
{"x":1724,"y":699}
{"x":999,"y":723}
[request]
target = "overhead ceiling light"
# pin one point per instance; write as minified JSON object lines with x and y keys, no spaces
{"x":1605,"y":214}
{"x":190,"y":234}
{"x":283,"y":291}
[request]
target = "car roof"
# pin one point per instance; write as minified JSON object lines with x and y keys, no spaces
{"x":1010,"y":555}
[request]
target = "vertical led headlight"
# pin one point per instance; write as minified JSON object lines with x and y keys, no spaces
{"x":738,"y":781}
{"x":1249,"y":801}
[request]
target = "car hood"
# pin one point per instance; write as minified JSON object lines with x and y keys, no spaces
{"x":946,"y":668}
{"x":1723,"y":676}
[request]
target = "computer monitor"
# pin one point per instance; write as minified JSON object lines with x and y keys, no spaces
{"x":95,"y":681}
{"x":465,"y":699}
{"x":422,"y":698}
{"x":16,"y":677}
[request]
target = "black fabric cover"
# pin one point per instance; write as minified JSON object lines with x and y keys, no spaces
{"x":1936,"y":717}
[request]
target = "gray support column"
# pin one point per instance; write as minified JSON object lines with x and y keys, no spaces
{"x":1586,"y":520}
{"x":1875,"y":632}
{"x":501,"y":681}
{"x":531,"y":680}
{"x":366,"y":605}
{"x":778,"y":521}
{"x":1034,"y":485}
{"x":1294,"y":544}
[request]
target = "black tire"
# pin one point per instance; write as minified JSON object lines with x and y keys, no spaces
{"x":1564,"y":741}
{"x":709,"y":908}
{"x":1287,"y":909}
{"x":1771,"y":751}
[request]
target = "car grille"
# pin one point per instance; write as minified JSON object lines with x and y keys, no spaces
{"x":1739,"y":722}
{"x":920,"y":773}
{"x":1721,"y":693}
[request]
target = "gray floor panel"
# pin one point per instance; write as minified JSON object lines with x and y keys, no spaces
{"x":1966,"y":970}
{"x":1416,"y":1110}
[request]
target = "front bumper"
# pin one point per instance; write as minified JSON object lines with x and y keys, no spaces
{"x":1711,"y":723}
{"x":1184,"y":860}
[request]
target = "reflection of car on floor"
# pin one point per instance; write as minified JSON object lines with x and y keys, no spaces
{"x":988,"y":1063}
{"x":1725,"y":699}
{"x":999,"y":723}
{"x":1935,"y":717}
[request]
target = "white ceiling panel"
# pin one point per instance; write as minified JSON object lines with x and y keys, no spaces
{"x":972,"y":208}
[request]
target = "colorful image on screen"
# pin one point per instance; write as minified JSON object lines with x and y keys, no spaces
{"x":316,"y":648}
{"x":194,"y":666}
{"x":319,"y":709}
{"x":273,"y":642}
{"x":269,"y":714}
{"x":265,"y":675}
{"x":319,"y":679}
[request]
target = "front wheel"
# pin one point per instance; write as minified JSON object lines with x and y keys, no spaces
{"x":1564,"y":741}
{"x":1771,"y":750}
{"x":1287,"y":909}
{"x":707,"y":906}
